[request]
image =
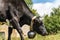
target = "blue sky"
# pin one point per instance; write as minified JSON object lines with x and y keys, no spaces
{"x":42,"y":1}
{"x":44,"y":7}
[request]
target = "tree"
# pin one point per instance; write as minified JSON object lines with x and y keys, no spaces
{"x":52,"y":22}
{"x":29,"y":3}
{"x":35,"y":12}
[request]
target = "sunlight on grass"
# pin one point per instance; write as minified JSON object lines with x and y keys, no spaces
{"x":15,"y":38}
{"x":49,"y":37}
{"x":39,"y":37}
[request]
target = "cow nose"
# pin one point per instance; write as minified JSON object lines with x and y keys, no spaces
{"x":45,"y":33}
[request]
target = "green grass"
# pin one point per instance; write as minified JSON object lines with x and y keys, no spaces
{"x":15,"y":38}
{"x":39,"y":37}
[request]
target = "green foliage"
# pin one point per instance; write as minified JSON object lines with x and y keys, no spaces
{"x":34,"y":12}
{"x":52,"y":22}
{"x":29,"y":3}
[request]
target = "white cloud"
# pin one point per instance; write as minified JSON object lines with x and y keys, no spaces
{"x":46,"y":8}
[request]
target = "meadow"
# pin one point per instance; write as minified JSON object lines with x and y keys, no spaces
{"x":39,"y":37}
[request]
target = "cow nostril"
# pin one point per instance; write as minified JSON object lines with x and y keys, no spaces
{"x":45,"y":33}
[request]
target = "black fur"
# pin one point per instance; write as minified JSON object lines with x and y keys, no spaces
{"x":18,"y":13}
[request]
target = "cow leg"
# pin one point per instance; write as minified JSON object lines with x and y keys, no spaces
{"x":17,"y":27}
{"x":15,"y":20}
{"x":20,"y":32}
{"x":9,"y":33}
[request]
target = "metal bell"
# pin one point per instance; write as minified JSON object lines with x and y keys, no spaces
{"x":31,"y":34}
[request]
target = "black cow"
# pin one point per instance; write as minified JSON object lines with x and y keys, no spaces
{"x":18,"y":14}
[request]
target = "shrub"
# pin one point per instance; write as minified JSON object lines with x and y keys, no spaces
{"x":52,"y":22}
